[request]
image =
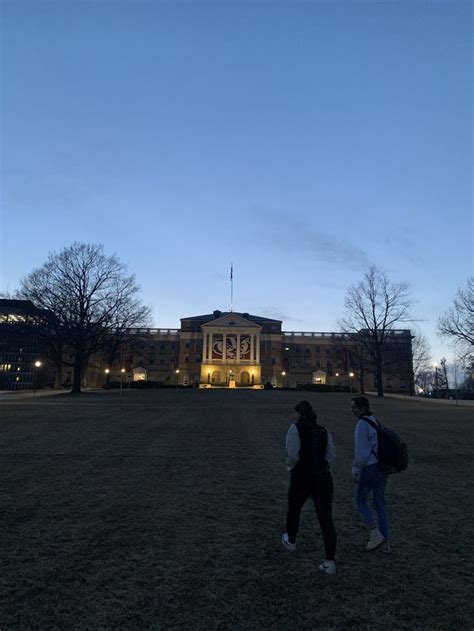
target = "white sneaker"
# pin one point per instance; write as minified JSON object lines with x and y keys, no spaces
{"x":328,"y":567}
{"x":375,"y":541}
{"x":291,"y":547}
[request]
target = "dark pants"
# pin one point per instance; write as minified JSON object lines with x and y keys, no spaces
{"x":320,"y":488}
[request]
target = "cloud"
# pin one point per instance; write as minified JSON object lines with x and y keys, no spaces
{"x":276,"y":314}
{"x":400,"y":242}
{"x":288,"y":233}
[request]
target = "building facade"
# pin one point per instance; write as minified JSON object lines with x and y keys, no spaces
{"x":216,"y":350}
{"x":22,"y":351}
{"x":231,"y":349}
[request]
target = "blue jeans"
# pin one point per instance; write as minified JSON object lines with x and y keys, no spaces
{"x":373,"y":481}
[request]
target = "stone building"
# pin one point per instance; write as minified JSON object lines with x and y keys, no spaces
{"x":230,"y":349}
{"x":216,"y":350}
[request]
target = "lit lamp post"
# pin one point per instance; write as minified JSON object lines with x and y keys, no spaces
{"x":35,"y":374}
{"x":107,"y":372}
{"x":283,"y":379}
{"x":177,"y":373}
{"x":435,"y":365}
{"x":351,"y":374}
{"x":121,"y":379}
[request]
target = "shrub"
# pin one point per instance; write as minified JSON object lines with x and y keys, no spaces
{"x":323,"y":387}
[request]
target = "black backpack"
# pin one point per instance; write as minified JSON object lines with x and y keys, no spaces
{"x":392,"y":452}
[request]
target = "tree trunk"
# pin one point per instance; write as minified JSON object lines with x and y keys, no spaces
{"x":76,"y":384}
{"x":58,"y":377}
{"x":362,"y":375}
{"x":379,"y":377}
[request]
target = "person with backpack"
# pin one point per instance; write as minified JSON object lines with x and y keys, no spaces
{"x":369,"y":474}
{"x":309,"y":449}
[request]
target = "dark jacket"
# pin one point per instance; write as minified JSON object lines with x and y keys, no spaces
{"x":314,"y":442}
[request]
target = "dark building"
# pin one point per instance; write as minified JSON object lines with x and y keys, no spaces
{"x":20,"y":345}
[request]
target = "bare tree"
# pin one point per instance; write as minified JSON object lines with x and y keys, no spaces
{"x":90,"y":298}
{"x":421,"y":357}
{"x":372,"y":309}
{"x":425,"y":379}
{"x":457,"y":323}
{"x":443,"y":381}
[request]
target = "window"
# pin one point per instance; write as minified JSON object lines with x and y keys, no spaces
{"x":318,"y":349}
{"x":273,"y":361}
{"x":187,"y":344}
{"x":186,"y":359}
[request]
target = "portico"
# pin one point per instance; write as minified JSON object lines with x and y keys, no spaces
{"x":231,"y":352}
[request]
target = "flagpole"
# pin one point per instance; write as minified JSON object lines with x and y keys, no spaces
{"x":231,"y":286}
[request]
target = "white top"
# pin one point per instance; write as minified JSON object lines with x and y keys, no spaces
{"x":366,"y":443}
{"x":293,"y":445}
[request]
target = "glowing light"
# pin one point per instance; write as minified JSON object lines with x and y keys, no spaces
{"x":37,"y":364}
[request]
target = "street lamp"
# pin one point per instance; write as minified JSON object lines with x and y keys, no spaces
{"x":35,"y":373}
{"x":283,"y":378}
{"x":351,"y":374}
{"x":122,"y":370}
{"x":177,"y":373}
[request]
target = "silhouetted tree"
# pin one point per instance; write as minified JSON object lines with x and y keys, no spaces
{"x":457,"y":323}
{"x":372,"y":308}
{"x":421,"y":355}
{"x":90,"y":297}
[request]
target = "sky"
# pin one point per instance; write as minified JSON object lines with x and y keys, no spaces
{"x":302,"y":141}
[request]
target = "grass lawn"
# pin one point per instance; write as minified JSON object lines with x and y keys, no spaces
{"x":165,"y":512}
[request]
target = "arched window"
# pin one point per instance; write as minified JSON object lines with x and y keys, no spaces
{"x":216,"y":377}
{"x":244,"y":377}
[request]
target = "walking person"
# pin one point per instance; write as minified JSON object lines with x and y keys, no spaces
{"x":371,"y":479}
{"x":309,"y":449}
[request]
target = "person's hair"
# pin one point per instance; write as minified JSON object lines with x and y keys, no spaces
{"x":362,"y":403}
{"x":305,"y":410}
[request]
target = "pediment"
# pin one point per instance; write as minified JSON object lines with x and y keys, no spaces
{"x":231,"y":321}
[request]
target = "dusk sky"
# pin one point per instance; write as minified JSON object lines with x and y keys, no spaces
{"x":303,"y":141}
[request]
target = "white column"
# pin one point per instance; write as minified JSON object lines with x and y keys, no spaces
{"x":257,"y":344}
{"x":238,"y":347}
{"x":224,"y":339}
{"x":205,"y":348}
{"x":210,"y":347}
